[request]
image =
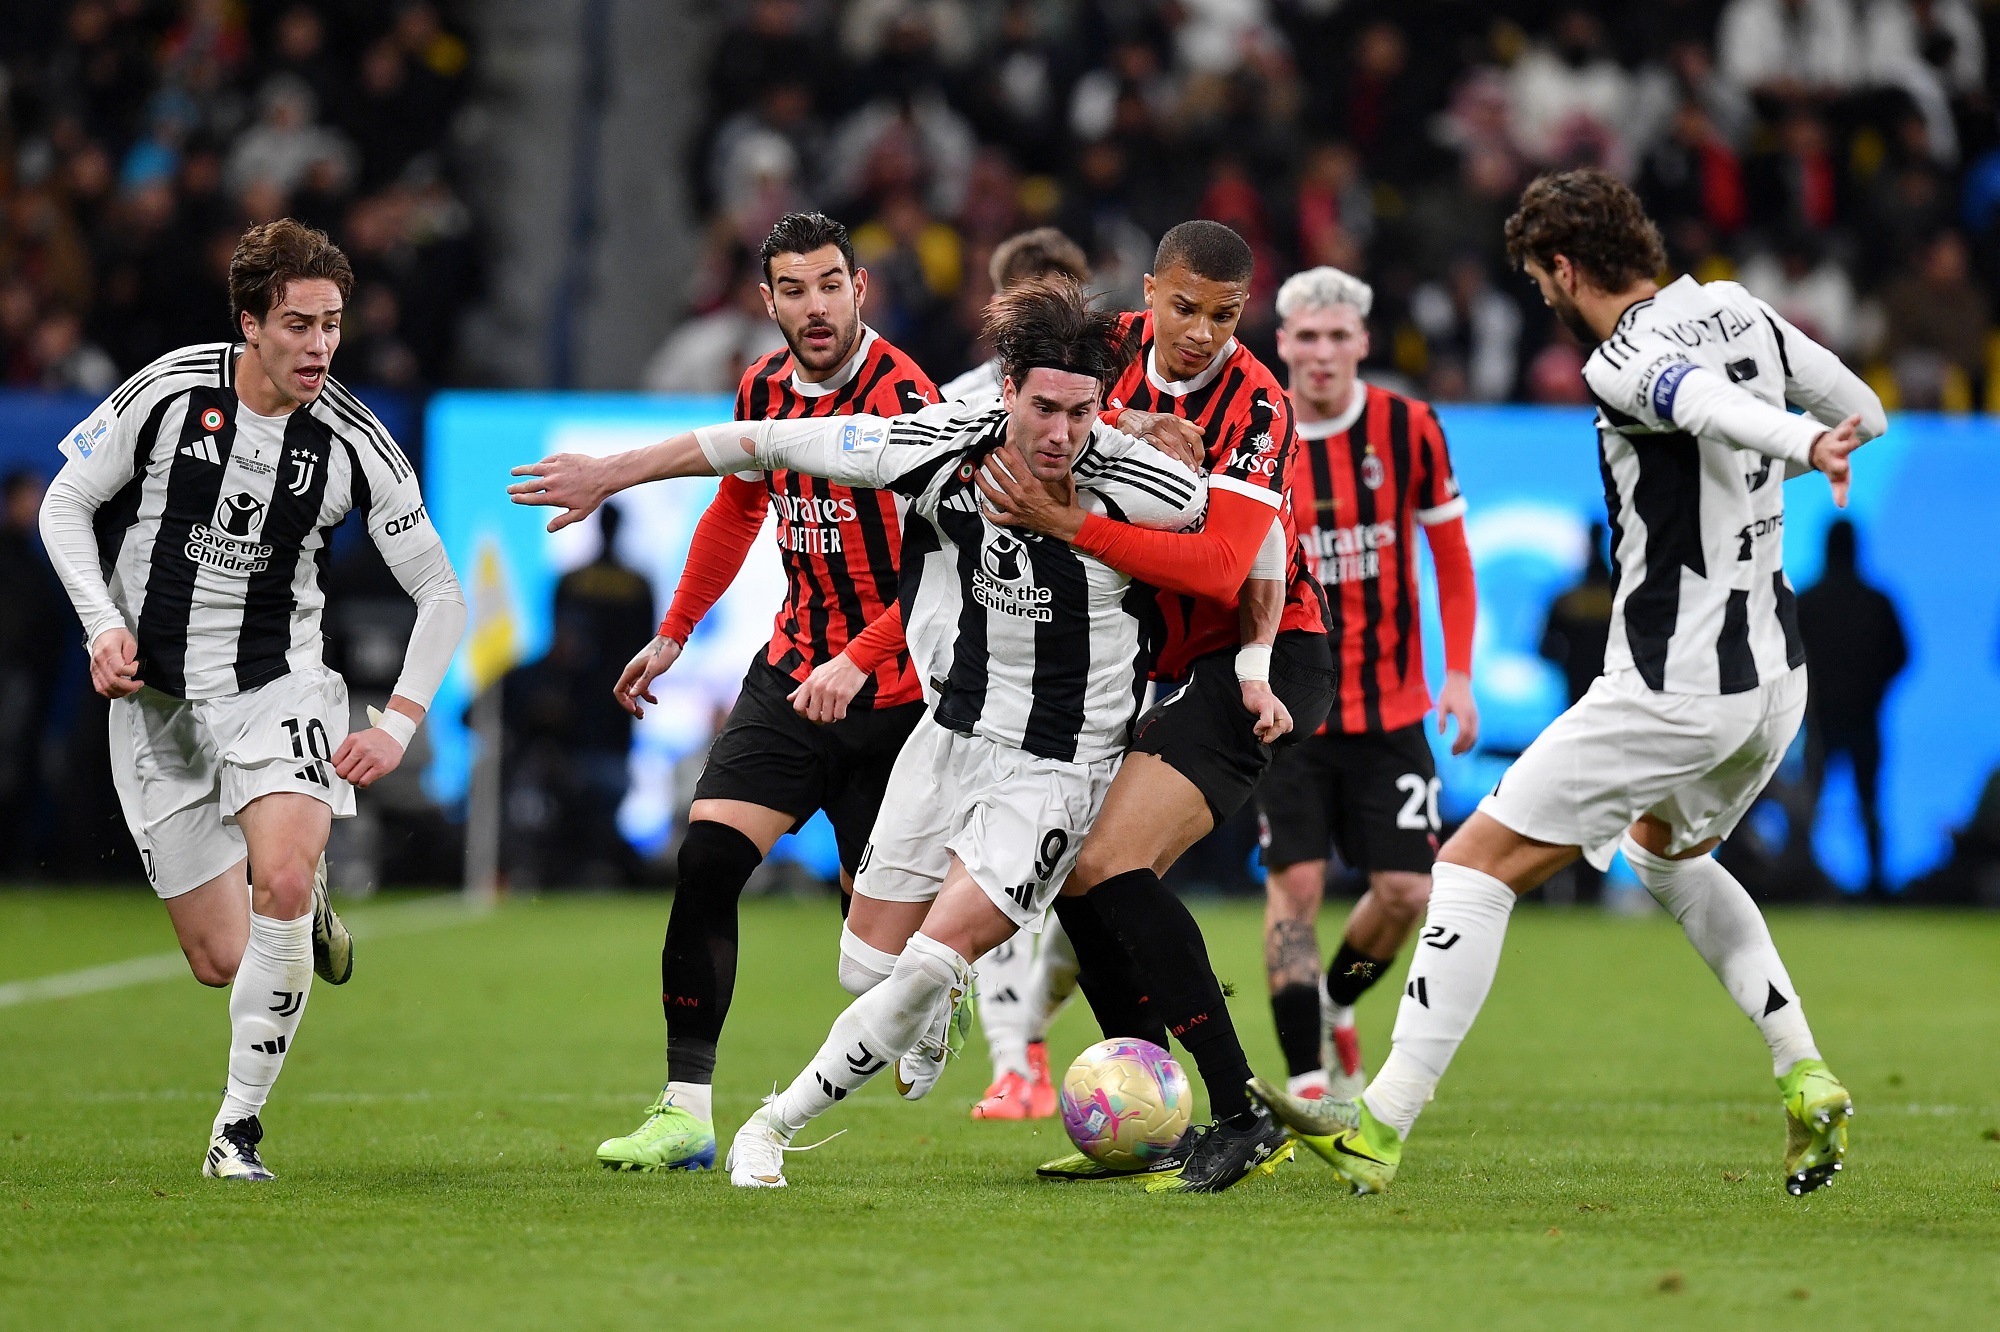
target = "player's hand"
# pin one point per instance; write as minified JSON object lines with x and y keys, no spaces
{"x":1455,"y":701}
{"x":1175,"y":436}
{"x":1273,"y":718}
{"x":1016,"y":499}
{"x":365,"y":757}
{"x":828,"y":690}
{"x":572,"y":482}
{"x":1829,"y":454}
{"x":114,"y":663}
{"x":636,"y":682}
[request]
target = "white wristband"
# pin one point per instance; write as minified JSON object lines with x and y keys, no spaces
{"x":1253,"y":662}
{"x":399,"y":726}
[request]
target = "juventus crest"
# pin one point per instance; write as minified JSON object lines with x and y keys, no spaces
{"x":302,"y":461}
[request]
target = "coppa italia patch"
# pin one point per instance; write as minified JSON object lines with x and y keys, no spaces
{"x":211,"y":420}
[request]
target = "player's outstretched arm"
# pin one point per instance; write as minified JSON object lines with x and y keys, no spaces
{"x":635,"y":684}
{"x":577,"y":483}
{"x":1819,"y":382}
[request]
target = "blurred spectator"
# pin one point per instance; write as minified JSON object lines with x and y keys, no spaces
{"x":1788,"y":49}
{"x":68,"y":363}
{"x":709,"y":354}
{"x":1570,"y":103}
{"x":1693,"y":173}
{"x":1555,"y":376}
{"x":1855,"y":650}
{"x":1937,"y":326}
{"x":1809,"y":290}
{"x":1473,"y":334}
{"x":1336,"y":213}
{"x":1934,"y":52}
{"x":1579,"y":622}
{"x":34,"y":625}
{"x":285,"y":144}
{"x":1796,"y":185}
{"x":607,"y":606}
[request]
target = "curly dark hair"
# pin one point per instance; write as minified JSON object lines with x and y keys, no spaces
{"x":1049,"y":322}
{"x":1593,"y":219}
{"x":273,"y":255}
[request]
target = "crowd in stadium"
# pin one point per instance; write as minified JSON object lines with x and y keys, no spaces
{"x":139,"y":138}
{"x":1839,"y":157}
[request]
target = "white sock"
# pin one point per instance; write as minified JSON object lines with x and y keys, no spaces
{"x":1335,"y":1015}
{"x":1051,"y":981}
{"x":1729,"y":932}
{"x":862,"y":965}
{"x":876,"y":1030}
{"x":1451,"y":970}
{"x":1001,"y":979}
{"x":265,"y":1005}
{"x":697,"y":1098}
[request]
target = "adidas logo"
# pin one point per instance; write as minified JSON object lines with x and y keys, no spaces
{"x":275,"y":1046}
{"x":315,"y":773}
{"x":837,"y":1093}
{"x":202,"y":447}
{"x":1418,"y":991}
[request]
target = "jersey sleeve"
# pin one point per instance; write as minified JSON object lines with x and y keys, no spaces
{"x":879,"y":643}
{"x":1127,"y":479}
{"x":1255,"y":449}
{"x":1437,"y":497}
{"x":899,"y":453}
{"x":398,"y":523}
{"x":1639,"y":378}
{"x":1817,"y":380}
{"x":102,"y":454}
{"x":723,"y":537}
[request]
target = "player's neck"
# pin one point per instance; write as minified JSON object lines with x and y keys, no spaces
{"x":1602,"y":310}
{"x":256,"y":390}
{"x":1307,"y":411}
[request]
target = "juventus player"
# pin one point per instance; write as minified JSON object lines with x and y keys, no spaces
{"x":1040,"y":654}
{"x":1372,"y":469}
{"x":1704,"y":680}
{"x":1249,"y":644}
{"x":187,"y":525}
{"x":825,"y":709}
{"x":1023,"y":983}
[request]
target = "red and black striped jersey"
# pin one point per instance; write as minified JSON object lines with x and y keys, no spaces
{"x":1362,"y":485}
{"x":841,"y":545}
{"x":1246,"y":421}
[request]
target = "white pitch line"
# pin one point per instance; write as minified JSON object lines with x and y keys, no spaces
{"x":404,"y":918}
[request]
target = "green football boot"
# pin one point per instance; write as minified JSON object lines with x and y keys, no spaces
{"x":1817,"y":1109}
{"x":672,"y":1138}
{"x":1076,"y":1168}
{"x":1362,"y":1150}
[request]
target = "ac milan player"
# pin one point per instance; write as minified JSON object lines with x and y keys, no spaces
{"x":1251,"y":653}
{"x":1372,"y":468}
{"x":824,"y":711}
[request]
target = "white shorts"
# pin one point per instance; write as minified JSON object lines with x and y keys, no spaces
{"x":1015,"y":821}
{"x":183,"y":767}
{"x":1694,"y":761}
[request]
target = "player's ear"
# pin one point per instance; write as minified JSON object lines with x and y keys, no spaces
{"x":770,"y":304}
{"x":1149,"y":288}
{"x":860,"y":286}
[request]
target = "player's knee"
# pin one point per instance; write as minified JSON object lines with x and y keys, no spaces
{"x":212,"y":970}
{"x":284,"y":891}
{"x":1094,"y":864}
{"x":1295,"y":891}
{"x":862,"y":965}
{"x":716,"y":858}
{"x":1403,"y":894}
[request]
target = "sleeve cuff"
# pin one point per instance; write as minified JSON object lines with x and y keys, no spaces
{"x":723,"y":446}
{"x":1262,"y":494}
{"x":1443,"y":513}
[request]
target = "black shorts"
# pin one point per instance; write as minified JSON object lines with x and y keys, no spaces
{"x":1205,"y":733}
{"x":1372,"y":795}
{"x":768,"y":755}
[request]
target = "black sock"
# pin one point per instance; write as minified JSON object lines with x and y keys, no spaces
{"x":698,"y":960}
{"x":1166,"y":945}
{"x":1105,"y":974}
{"x":1351,"y":972}
{"x":1295,"y":1008}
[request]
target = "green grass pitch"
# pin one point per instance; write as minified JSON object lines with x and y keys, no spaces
{"x":1603,"y":1154}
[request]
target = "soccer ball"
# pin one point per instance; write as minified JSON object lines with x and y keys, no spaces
{"x":1125,"y":1103}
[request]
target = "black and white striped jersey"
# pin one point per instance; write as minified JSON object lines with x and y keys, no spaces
{"x":212,"y":521}
{"x":1021,"y":639}
{"x":1694,"y":445}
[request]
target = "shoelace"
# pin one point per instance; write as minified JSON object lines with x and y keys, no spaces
{"x":786,"y":1146}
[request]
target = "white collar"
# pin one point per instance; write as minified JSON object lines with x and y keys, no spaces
{"x":1180,"y":388}
{"x":840,"y":378}
{"x":1327,"y":429}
